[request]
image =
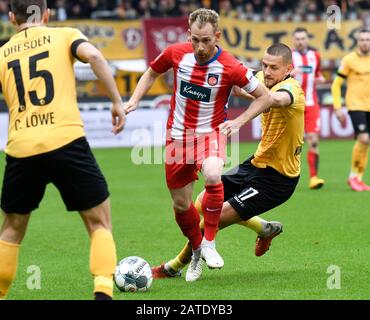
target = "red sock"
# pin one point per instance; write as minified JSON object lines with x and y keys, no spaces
{"x":188,"y":222}
{"x":213,"y":200}
{"x":313,"y":163}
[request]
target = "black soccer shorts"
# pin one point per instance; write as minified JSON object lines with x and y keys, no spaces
{"x":72,"y":169}
{"x":252,"y":191}
{"x":360,"y":121}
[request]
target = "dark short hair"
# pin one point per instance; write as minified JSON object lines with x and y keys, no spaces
{"x":363,"y":31}
{"x":19,"y":8}
{"x":282,"y":50}
{"x":300,"y":29}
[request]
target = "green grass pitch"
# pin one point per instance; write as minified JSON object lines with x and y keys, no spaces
{"x":322,"y":228}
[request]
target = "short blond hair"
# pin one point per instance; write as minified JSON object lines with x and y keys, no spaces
{"x":203,"y":16}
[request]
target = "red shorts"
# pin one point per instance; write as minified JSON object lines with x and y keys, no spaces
{"x":312,"y":119}
{"x":185,"y":158}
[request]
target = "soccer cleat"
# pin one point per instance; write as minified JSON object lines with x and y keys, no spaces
{"x":264,"y":240}
{"x":101,"y":296}
{"x":357,"y":185}
{"x":210,"y":255}
{"x":365,"y":187}
{"x":316,"y":183}
{"x":161,"y":272}
{"x":196,"y":267}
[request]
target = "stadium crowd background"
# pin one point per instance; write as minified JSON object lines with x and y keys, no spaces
{"x":281,"y":10}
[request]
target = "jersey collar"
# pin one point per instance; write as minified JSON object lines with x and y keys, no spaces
{"x":215,"y":57}
{"x":360,"y":54}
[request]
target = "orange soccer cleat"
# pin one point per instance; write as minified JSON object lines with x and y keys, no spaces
{"x":316,"y":183}
{"x":263,"y":242}
{"x":357,"y":185}
{"x":365,"y":187}
{"x":161,"y":272}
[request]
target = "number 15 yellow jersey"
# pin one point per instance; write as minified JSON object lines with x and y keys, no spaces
{"x":38,"y":83}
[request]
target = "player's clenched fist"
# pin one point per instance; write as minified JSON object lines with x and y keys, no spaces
{"x":118,"y":117}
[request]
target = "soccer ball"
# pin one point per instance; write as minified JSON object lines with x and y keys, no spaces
{"x":133,"y":274}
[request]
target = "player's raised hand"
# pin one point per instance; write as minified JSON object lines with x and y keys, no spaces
{"x":129,"y":107}
{"x":118,"y":117}
{"x":229,"y":127}
{"x":340,"y":116}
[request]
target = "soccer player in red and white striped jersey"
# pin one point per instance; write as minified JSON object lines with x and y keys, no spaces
{"x":204,"y":75}
{"x":306,"y":63}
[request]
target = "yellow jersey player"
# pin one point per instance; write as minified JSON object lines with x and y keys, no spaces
{"x":355,"y":68}
{"x":46,"y":140}
{"x":269,"y":177}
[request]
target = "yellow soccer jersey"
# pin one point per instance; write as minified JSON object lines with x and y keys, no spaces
{"x":282,"y":132}
{"x":356,"y":69}
{"x":38,"y":83}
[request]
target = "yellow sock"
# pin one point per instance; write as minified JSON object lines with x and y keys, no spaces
{"x":198,"y":206}
{"x":255,"y":223}
{"x":359,"y":159}
{"x":182,"y":259}
{"x":8,"y":265}
{"x":103,"y":261}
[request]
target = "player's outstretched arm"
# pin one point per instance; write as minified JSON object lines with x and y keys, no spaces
{"x":281,"y":98}
{"x":337,"y":103}
{"x":88,"y":53}
{"x":241,"y":93}
{"x":261,"y":103}
{"x":143,"y":86}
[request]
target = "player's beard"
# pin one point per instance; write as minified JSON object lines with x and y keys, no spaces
{"x":270,"y":84}
{"x":365,"y":52}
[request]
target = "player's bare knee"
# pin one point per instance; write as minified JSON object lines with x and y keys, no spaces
{"x":15,"y":222}
{"x":13,"y":229}
{"x":93,"y":225}
{"x":363,"y":138}
{"x":212,"y":170}
{"x":212,"y":178}
{"x":97,"y":218}
{"x":181,"y":205}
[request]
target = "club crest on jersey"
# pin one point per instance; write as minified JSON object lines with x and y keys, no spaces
{"x":212,"y":79}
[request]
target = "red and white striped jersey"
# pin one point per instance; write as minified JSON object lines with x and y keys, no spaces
{"x":201,"y":92}
{"x":309,"y":64}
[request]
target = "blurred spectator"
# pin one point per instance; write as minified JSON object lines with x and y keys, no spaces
{"x":226,"y":9}
{"x":61,"y":10}
{"x":4,"y":10}
{"x":75,"y":11}
{"x":257,"y":6}
{"x":144,"y":8}
{"x":167,"y":8}
{"x":184,"y":8}
{"x":126,"y":11}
